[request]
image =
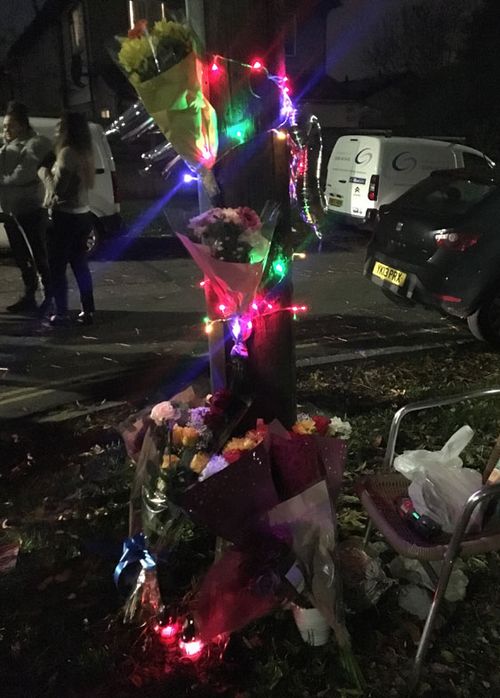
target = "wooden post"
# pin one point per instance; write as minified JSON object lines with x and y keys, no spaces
{"x":255,"y":172}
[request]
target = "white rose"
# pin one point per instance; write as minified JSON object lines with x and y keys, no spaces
{"x":339,"y":428}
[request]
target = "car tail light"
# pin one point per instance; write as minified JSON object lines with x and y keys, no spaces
{"x":116,"y":193}
{"x":456,"y":240}
{"x":373,"y":188}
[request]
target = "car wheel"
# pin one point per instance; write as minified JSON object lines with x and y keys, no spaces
{"x":484,"y":324}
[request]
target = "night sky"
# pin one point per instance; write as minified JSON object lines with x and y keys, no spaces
{"x":350,"y":29}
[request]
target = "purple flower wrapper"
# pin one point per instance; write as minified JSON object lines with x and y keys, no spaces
{"x":231,"y":501}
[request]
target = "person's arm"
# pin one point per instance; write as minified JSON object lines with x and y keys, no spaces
{"x":59,"y":179}
{"x":26,"y":171}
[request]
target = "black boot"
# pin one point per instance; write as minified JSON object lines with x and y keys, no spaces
{"x":26,"y":304}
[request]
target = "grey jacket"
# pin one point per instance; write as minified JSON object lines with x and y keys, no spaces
{"x":20,"y":188}
{"x":64,"y":187}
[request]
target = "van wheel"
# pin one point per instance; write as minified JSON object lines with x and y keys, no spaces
{"x":484,"y":324}
{"x":93,"y":238}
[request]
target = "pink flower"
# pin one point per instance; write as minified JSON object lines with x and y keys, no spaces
{"x":249,"y":219}
{"x":162,"y":412}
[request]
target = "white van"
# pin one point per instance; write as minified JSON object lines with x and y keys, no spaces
{"x":103,"y":198}
{"x":365,"y":172}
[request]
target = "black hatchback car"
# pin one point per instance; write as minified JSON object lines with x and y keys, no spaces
{"x":439,"y":245}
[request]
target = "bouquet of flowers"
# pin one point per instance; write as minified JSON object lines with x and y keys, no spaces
{"x":270,"y":492}
{"x":231,"y":234}
{"x":230,"y":246}
{"x":164,"y":69}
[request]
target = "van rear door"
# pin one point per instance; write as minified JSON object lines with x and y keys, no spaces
{"x":352,"y":165}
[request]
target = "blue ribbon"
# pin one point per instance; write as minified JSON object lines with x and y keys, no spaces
{"x":134,"y":551}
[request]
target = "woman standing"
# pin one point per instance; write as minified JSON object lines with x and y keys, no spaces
{"x":67,"y":186}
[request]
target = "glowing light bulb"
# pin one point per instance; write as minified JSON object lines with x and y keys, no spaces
{"x":256,"y":64}
{"x":255,"y":306}
{"x":192,"y":649}
{"x":222,"y":307}
{"x":281,"y":135}
{"x":208,"y":328}
{"x":214,"y":67}
{"x":202,"y":283}
{"x":189,"y":178}
{"x":168,"y":633}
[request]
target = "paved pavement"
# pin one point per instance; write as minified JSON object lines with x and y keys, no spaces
{"x":148,"y":330}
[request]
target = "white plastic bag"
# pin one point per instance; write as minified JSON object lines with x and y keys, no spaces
{"x":440,"y":486}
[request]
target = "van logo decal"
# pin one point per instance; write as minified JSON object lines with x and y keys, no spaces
{"x":404,"y":162}
{"x":363,"y":157}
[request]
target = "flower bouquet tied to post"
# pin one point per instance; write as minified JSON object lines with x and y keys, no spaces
{"x":230,"y":246}
{"x":162,"y":64}
{"x":231,"y":234}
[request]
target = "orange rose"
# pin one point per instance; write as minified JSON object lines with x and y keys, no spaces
{"x":169,"y":460}
{"x":189,"y":436}
{"x":199,"y":462}
{"x":306,"y":426}
{"x":177,"y":434}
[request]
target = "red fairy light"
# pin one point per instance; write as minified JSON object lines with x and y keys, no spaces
{"x":214,"y":67}
{"x":169,"y":633}
{"x":222,"y":307}
{"x":202,"y":283}
{"x":256,"y":64}
{"x":192,"y":649}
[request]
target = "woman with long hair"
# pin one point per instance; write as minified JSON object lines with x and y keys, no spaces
{"x":67,"y":186}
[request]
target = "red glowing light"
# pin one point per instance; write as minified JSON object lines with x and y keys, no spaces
{"x":192,"y":649}
{"x":202,"y":283}
{"x":222,"y":307}
{"x":255,"y":306}
{"x":168,"y":633}
{"x":270,"y":306}
{"x":257,"y":64}
{"x":214,"y":67}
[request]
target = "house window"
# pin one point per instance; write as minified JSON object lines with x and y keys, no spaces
{"x":145,"y":9}
{"x":78,"y":68}
{"x":291,"y":38}
{"x":77,"y":29}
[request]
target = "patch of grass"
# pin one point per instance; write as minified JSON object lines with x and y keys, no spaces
{"x":61,"y":631}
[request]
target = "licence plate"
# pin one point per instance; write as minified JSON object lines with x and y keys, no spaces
{"x":335,"y":202}
{"x":394,"y":276}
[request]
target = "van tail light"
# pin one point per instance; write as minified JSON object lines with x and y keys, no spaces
{"x":373,"y":188}
{"x":456,"y":240}
{"x":116,"y":193}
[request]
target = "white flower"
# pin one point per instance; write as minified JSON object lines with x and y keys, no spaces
{"x":163,"y":412}
{"x":339,"y":428}
{"x":214,"y":465}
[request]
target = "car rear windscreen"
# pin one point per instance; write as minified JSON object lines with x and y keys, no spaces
{"x":446,"y":196}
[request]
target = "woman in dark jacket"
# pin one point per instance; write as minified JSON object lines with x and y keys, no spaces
{"x":67,"y":186}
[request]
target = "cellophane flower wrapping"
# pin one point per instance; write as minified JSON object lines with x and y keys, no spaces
{"x":164,"y":69}
{"x":230,"y":246}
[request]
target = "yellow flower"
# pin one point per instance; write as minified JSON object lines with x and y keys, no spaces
{"x":189,"y":436}
{"x":306,"y":426}
{"x":169,"y":460}
{"x":134,"y":53}
{"x":177,"y":434}
{"x":165,"y":30}
{"x":199,"y":462}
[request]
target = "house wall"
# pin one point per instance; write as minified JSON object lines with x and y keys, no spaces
{"x":37,"y":80}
